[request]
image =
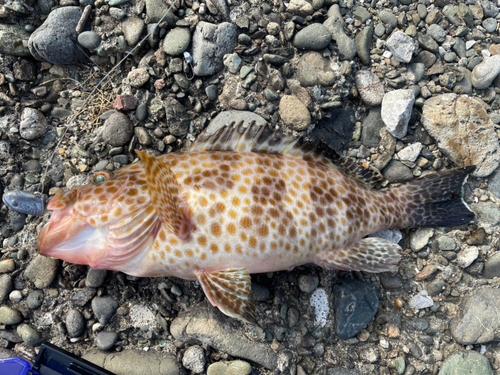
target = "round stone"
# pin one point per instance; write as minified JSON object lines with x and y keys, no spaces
{"x":9,"y":316}
{"x":177,"y":41}
{"x":138,"y":77}
{"x":141,"y":113}
{"x":106,"y":339}
{"x":490,"y":24}
{"x":313,"y":37}
{"x":369,"y":87}
{"x":294,"y":113}
{"x":33,"y":124}
{"x":75,"y":323}
{"x":194,"y":359}
{"x":89,"y":39}
{"x":34,"y":299}
{"x":118,"y":130}
{"x":29,"y":335}
{"x":307,"y":283}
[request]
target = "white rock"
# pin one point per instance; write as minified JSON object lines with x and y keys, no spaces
{"x":396,"y":111}
{"x":421,"y":301}
{"x":401,"y":45}
{"x":411,"y":152}
{"x":420,"y":238}
{"x":15,"y":296}
{"x":484,"y":73}
{"x":467,"y":256}
{"x":469,"y":44}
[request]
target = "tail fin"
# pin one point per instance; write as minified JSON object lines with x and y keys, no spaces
{"x":436,"y":199}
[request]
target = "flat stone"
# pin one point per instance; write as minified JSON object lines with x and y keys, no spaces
{"x":411,"y":152}
{"x":478,"y":319}
{"x":42,"y":271}
{"x":463,"y":131}
{"x":203,"y":323}
{"x":229,"y":368}
{"x":177,"y":41}
{"x":466,"y":362}
{"x":313,"y":37}
{"x":132,"y":29}
{"x":134,"y":362}
{"x":9,"y":316}
{"x":105,"y":340}
{"x":75,"y":323}
{"x":467,"y":256}
{"x":89,"y":39}
{"x":369,"y":87}
{"x":420,"y":238}
{"x":355,"y":303}
{"x":313,"y":69}
{"x":294,"y":113}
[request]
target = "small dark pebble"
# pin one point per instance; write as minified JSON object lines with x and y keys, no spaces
{"x":95,"y":278}
{"x":260,"y":293}
{"x":416,"y":324}
{"x":141,"y":112}
{"x":34,"y":299}
{"x":307,"y":283}
{"x":104,"y":308}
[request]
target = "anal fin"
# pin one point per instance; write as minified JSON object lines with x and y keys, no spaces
{"x":369,"y":255}
{"x":230,"y":291}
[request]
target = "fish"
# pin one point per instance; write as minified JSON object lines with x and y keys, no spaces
{"x":240,"y":201}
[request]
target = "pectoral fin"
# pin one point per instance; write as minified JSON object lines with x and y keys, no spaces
{"x":230,"y":291}
{"x":164,"y":191}
{"x":369,"y":255}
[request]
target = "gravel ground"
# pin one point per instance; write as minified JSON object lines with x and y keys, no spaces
{"x":407,"y":87}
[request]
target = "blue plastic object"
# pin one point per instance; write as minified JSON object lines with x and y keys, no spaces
{"x":14,"y":366}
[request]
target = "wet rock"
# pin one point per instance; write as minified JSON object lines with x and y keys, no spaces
{"x":75,"y":323}
{"x":104,"y":308}
{"x":336,"y":131}
{"x":478,"y":320}
{"x":14,"y":41}
{"x":294,"y":113}
{"x":466,"y":142}
{"x":177,"y":41}
{"x":56,"y":40}
{"x":42,"y":271}
{"x":118,"y":129}
{"x":134,"y":362}
{"x":396,"y":111}
{"x":401,"y":46}
{"x":313,"y":37}
{"x":313,"y":69}
{"x":466,"y":362}
{"x":176,"y":117}
{"x":369,"y":87}
{"x":355,"y":303}
{"x":210,"y":44}
{"x":105,"y":340}
{"x":203,"y":323}
{"x":194,"y":359}
{"x":9,"y":316}
{"x":33,"y":124}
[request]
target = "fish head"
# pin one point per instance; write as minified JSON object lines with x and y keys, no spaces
{"x":106,"y":224}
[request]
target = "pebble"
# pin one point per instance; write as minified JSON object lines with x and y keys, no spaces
{"x":389,"y":18}
{"x":420,"y":238}
{"x":446,"y":243}
{"x":443,"y":118}
{"x":143,"y":136}
{"x":313,"y":37}
{"x":484,"y":73}
{"x":14,"y":40}
{"x":55,"y":40}
{"x":355,"y":304}
{"x":294,"y":113}
{"x":89,"y":39}
{"x":9,"y":316}
{"x":437,"y":33}
{"x":7,"y":265}
{"x":308,"y":283}
{"x":177,"y":41}
{"x":138,"y":77}
{"x":34,"y":299}
{"x":105,"y":340}
{"x":314,"y":69}
{"x":141,"y":112}
{"x":411,"y":152}
{"x":401,"y":46}
{"x":232,"y":62}
{"x":229,"y":368}
{"x":29,"y":335}
{"x":490,"y":24}
{"x":300,"y":8}
{"x":466,"y":362}
{"x":42,"y":271}
{"x":421,"y":301}
{"x":5,"y":286}
{"x":363,"y":42}
{"x":369,"y":87}
{"x":104,"y":308}
{"x":118,"y":129}
{"x":467,"y":256}
{"x":15,"y":296}
{"x":396,"y":111}
{"x":194,"y":359}
{"x":335,"y":24}
{"x":75,"y":323}
{"x":95,"y":278}
{"x":260,"y":293}
{"x":33,"y":124}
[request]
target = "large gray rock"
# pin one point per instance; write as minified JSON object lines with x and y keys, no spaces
{"x":466,"y":362}
{"x":207,"y":325}
{"x":210,"y":44}
{"x":463,"y":131}
{"x":56,"y":40}
{"x":478,"y":320}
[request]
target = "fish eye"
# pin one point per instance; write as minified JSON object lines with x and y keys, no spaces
{"x":100,"y":177}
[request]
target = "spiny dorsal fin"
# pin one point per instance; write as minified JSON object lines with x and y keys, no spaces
{"x":256,"y":138}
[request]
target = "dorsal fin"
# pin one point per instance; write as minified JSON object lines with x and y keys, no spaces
{"x":256,"y":138}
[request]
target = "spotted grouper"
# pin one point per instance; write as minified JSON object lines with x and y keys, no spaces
{"x":242,"y":201}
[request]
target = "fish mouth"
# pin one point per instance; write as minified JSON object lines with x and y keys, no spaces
{"x":65,"y":237}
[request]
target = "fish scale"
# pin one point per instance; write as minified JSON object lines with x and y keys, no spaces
{"x":241,"y":201}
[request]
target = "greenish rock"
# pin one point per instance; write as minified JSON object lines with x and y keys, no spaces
{"x":156,"y":9}
{"x":397,"y":364}
{"x":245,"y":70}
{"x":362,"y":14}
{"x":363,"y":44}
{"x":379,"y":29}
{"x":271,"y":94}
{"x":446,"y":243}
{"x":465,"y":363}
{"x":29,"y":335}
{"x":247,"y":82}
{"x":466,"y":14}
{"x":9,"y":316}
